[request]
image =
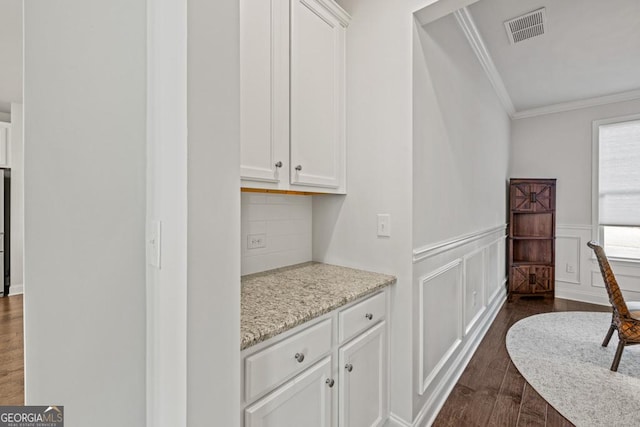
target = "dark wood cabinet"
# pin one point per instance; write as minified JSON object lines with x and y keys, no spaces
{"x":532,"y":233}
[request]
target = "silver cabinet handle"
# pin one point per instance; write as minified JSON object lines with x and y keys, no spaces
{"x":299,"y":168}
{"x":299,"y":357}
{"x":330,"y":382}
{"x":348,"y":367}
{"x":279,"y":164}
{"x":369,"y":316}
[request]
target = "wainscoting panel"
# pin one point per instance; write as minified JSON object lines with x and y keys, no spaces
{"x":474,"y":288}
{"x":568,"y":259}
{"x":584,"y":282}
{"x":460,"y":287}
{"x":438,"y":344}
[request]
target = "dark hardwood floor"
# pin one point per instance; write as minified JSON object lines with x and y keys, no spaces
{"x":491,"y":391}
{"x":11,"y":351}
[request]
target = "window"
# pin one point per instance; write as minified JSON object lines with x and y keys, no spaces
{"x":618,"y":184}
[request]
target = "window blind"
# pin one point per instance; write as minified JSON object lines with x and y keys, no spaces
{"x":619,"y":174}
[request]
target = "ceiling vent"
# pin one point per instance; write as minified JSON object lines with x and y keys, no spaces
{"x":526,"y":26}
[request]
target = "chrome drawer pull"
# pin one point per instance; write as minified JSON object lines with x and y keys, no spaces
{"x":369,"y":316}
{"x":348,"y":367}
{"x":299,"y":357}
{"x":330,"y":382}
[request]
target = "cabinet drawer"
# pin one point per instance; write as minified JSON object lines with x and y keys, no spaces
{"x":274,"y":364}
{"x":361,"y":316}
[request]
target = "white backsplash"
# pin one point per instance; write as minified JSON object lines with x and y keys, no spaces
{"x":285,"y":222}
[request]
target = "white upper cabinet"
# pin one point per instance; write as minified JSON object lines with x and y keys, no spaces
{"x":292,"y":95}
{"x":264,"y":91}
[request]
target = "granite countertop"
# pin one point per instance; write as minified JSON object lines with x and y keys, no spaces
{"x":277,"y":300}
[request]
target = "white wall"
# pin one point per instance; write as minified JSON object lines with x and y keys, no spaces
{"x":560,"y":146}
{"x":167,"y":203}
{"x":379,"y":169}
{"x":213,"y":291}
{"x":17,"y":200}
{"x":285,"y":223}
{"x":85,"y":161}
{"x":461,"y":147}
{"x":460,"y":163}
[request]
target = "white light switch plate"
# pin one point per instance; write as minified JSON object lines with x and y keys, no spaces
{"x":384,"y":225}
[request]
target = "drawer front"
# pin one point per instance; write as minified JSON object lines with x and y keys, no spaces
{"x":269,"y":367}
{"x":361,"y":316}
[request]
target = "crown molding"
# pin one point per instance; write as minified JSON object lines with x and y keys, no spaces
{"x":465,"y":20}
{"x":576,"y":105}
{"x":468,"y":26}
{"x":338,"y":12}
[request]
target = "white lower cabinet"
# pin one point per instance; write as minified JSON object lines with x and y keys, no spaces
{"x":305,"y":400}
{"x":313,"y":383}
{"x":363,"y":379}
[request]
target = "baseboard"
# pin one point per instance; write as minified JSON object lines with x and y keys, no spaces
{"x":575,"y":295}
{"x":16,"y":289}
{"x":430,"y":410}
{"x":394,"y":421}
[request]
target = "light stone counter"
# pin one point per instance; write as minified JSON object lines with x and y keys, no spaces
{"x":277,"y":300}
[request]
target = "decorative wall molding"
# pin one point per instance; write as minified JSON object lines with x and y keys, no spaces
{"x":576,"y":105}
{"x":424,"y":282}
{"x":469,"y":321}
{"x":480,"y":270}
{"x":438,"y":397}
{"x":578,"y":250}
{"x":333,"y":8}
{"x":586,"y":227}
{"x":465,"y":20}
{"x":424,"y":252}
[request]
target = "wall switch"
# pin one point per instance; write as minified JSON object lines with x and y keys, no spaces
{"x":570,"y":268}
{"x":255,"y":241}
{"x":154,"y":236}
{"x":384,"y":225}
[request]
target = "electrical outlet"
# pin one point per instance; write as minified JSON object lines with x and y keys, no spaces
{"x":570,"y":268}
{"x":255,"y":241}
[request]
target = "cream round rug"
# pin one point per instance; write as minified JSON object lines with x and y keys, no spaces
{"x":561,"y":356}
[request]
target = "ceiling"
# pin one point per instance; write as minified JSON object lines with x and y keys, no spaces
{"x":590,"y":49}
{"x":10,"y":53}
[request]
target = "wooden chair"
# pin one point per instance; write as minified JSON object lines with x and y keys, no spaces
{"x":625,"y":320}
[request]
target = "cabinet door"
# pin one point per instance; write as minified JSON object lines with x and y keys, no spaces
{"x":532,"y":197}
{"x":317,"y":96}
{"x":363,"y":379}
{"x":531,"y":279}
{"x":304,"y":401}
{"x":264,"y":91}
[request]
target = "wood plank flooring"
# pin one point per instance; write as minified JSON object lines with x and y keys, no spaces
{"x":11,"y":351}
{"x":491,"y":391}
